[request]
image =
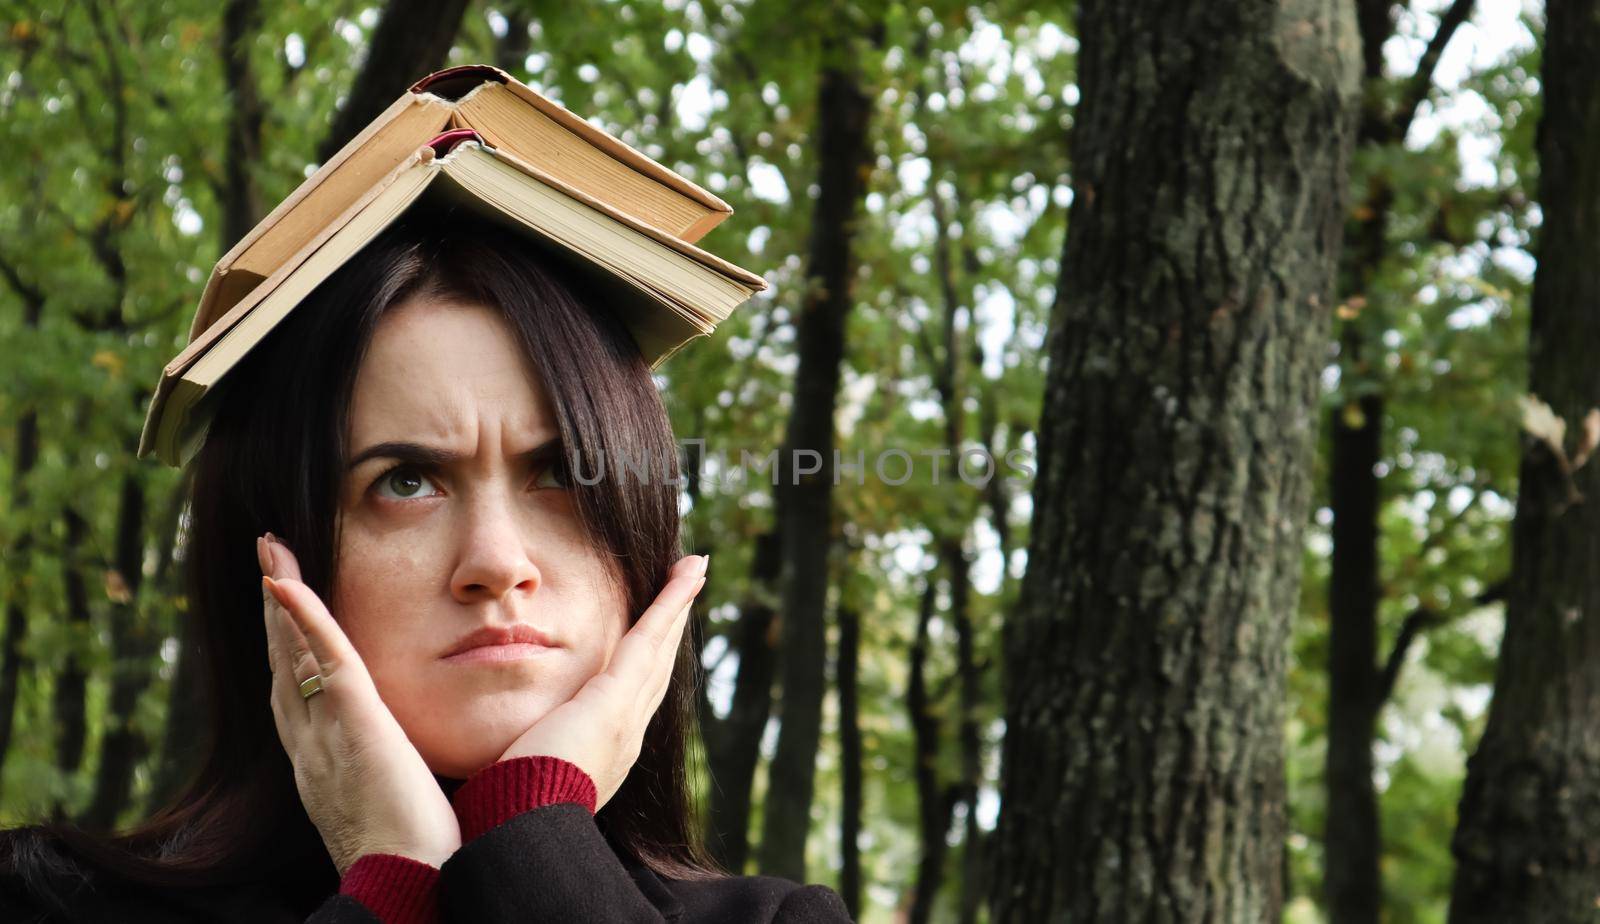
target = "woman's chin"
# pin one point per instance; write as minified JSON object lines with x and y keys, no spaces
{"x":464,"y":747}
{"x":460,"y":766}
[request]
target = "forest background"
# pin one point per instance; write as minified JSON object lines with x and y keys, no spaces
{"x":903,"y":176}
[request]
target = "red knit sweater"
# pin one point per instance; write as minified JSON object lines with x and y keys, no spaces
{"x":400,"y":890}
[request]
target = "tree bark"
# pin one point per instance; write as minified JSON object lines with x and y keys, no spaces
{"x":934,"y":800}
{"x":180,"y":741}
{"x":1351,"y":839}
{"x":134,"y":643}
{"x":511,"y":51}
{"x":1351,"y":842}
{"x":1357,"y":690}
{"x":412,"y":40}
{"x":180,"y":735}
{"x":850,"y":758}
{"x":69,"y":699}
{"x":18,"y":560}
{"x":1525,"y":848}
{"x":733,"y":744}
{"x":844,"y":157}
{"x":966,"y":790}
{"x":1143,"y":773}
{"x":12,"y":662}
{"x":951,"y":378}
{"x":241,"y":200}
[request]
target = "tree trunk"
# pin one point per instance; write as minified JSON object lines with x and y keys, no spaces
{"x":18,"y":561}
{"x":241,"y":202}
{"x":1526,"y":849}
{"x":1351,"y":842}
{"x":181,"y":741}
{"x":850,"y":757}
{"x":511,"y":51}
{"x":971,"y":741}
{"x":1351,"y":839}
{"x":12,"y":662}
{"x":180,"y":735}
{"x":844,"y":157}
{"x":412,"y":40}
{"x":733,"y":744}
{"x":1143,"y":773}
{"x":69,"y":705}
{"x":1358,"y":686}
{"x":134,"y":643}
{"x":951,"y":378}
{"x":934,"y":801}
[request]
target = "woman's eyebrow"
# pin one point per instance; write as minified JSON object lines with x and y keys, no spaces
{"x":432,"y":456}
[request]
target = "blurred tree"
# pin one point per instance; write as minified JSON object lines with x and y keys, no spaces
{"x":1525,"y":848}
{"x":851,"y":749}
{"x":24,"y":456}
{"x":803,"y":499}
{"x":937,"y":800}
{"x":1441,"y":322}
{"x":1358,"y":683}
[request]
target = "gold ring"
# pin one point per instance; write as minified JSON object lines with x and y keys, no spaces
{"x":311,"y":686}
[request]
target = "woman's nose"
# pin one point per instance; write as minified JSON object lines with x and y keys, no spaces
{"x":493,"y":559}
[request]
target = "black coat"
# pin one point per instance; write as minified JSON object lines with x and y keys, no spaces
{"x":547,"y":864}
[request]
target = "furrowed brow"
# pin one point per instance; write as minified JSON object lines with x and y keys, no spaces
{"x":434,"y":457}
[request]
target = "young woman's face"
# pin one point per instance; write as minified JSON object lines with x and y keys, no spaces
{"x":485,"y":537}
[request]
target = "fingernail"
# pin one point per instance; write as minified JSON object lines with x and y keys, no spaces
{"x":264,"y":554}
{"x":706,"y":563}
{"x":276,"y":591}
{"x":697,"y":587}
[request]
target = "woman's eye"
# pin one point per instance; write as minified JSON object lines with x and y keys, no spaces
{"x":406,"y":482}
{"x":554,"y":475}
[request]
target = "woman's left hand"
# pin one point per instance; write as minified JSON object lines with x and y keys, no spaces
{"x":601,"y":729}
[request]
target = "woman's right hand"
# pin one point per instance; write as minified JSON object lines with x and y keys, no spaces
{"x":363,"y":783}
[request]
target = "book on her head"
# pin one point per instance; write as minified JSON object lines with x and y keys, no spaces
{"x":629,"y":234}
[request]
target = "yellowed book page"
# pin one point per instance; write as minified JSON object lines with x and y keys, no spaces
{"x":288,"y":289}
{"x":508,"y":123}
{"x":385,"y":142}
{"x":732,"y":271}
{"x":583,"y":129}
{"x":245,"y":305}
{"x":168,"y":420}
{"x":658,"y":326}
{"x":703,"y":294}
{"x":604,"y":143}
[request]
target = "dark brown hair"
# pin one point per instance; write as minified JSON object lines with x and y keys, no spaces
{"x":273,"y":460}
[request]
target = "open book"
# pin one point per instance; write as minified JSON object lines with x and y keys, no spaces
{"x":665,"y":290}
{"x":509,"y":116}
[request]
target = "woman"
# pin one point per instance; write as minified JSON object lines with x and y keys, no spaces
{"x":470,"y":692}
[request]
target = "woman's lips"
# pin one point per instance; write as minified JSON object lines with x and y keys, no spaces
{"x":499,"y":654}
{"x":497,"y":636}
